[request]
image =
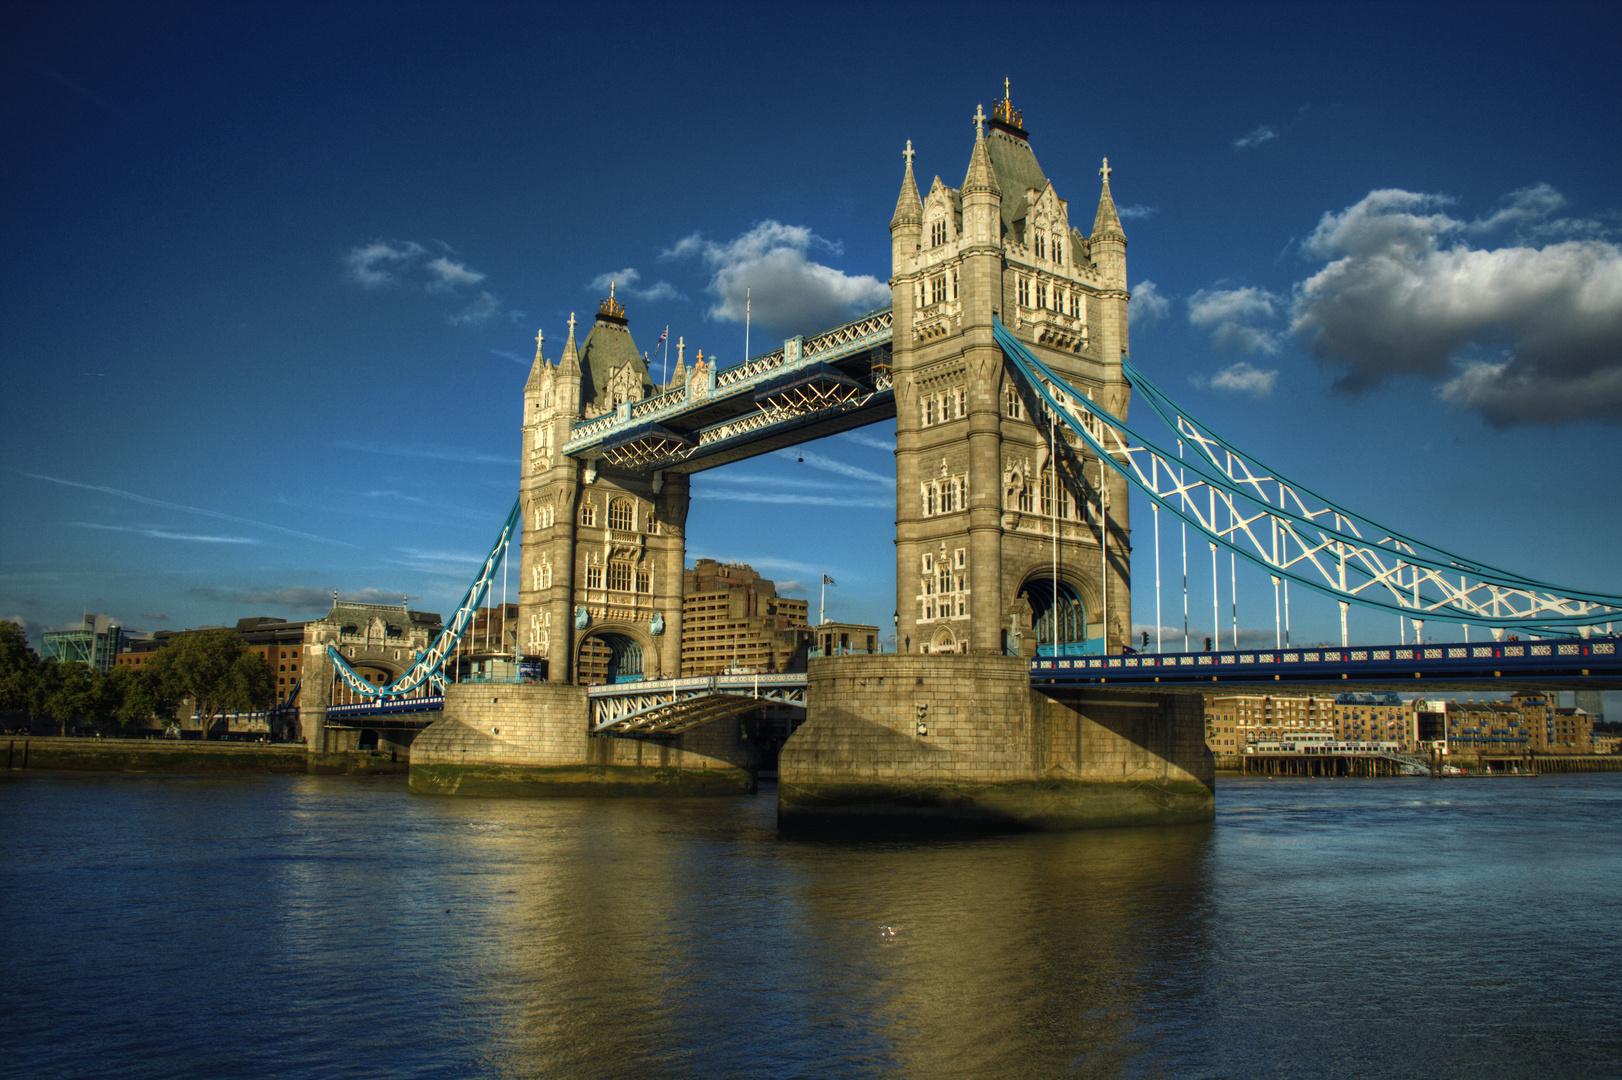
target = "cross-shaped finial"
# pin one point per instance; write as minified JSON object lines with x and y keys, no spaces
{"x":979,"y":122}
{"x":540,"y":339}
{"x":1005,"y":95}
{"x":611,"y":290}
{"x":571,"y":324}
{"x":1105,"y":171}
{"x":907,"y":153}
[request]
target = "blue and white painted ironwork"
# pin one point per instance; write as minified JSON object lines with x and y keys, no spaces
{"x":638,"y":435}
{"x":1294,"y":533}
{"x":1575,"y":661}
{"x":667,"y":706}
{"x":430,"y":664}
{"x":387,"y":706}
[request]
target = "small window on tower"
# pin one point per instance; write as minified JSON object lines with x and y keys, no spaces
{"x":1024,"y":292}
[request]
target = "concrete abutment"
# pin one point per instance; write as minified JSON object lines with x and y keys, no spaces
{"x":505,"y":739}
{"x":965,"y":741}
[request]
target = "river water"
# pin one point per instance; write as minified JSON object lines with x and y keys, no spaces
{"x":331,"y":927}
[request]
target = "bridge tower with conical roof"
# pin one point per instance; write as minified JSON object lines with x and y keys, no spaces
{"x":1008,"y":533}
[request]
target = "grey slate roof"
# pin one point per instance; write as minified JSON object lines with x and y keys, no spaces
{"x":608,"y":346}
{"x":1016,"y":168}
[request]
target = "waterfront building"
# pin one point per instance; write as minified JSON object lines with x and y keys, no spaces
{"x":93,"y":641}
{"x":281,"y":643}
{"x":1569,"y":731}
{"x":733,"y":619}
{"x":1376,"y":718}
{"x":1234,"y":721}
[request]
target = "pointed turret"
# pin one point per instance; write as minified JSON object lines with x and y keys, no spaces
{"x":907,"y":227}
{"x":909,"y":208}
{"x":540,"y":364}
{"x":982,"y":177}
{"x":678,"y":378}
{"x":1107,"y":225}
{"x":570,"y":362}
{"x":982,"y":195}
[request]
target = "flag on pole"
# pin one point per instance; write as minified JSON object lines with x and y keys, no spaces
{"x":826,"y":580}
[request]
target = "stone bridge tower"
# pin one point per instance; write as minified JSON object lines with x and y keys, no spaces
{"x":1001,"y":526}
{"x":603,"y":548}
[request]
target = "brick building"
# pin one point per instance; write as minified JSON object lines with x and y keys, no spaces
{"x":732,"y":618}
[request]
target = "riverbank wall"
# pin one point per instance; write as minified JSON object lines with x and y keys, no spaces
{"x":531,"y":740}
{"x":965,"y":742}
{"x":50,"y":753}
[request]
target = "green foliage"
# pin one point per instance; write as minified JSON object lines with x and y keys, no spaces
{"x":18,"y":667}
{"x":216,"y":670}
{"x":79,"y":695}
{"x":135,"y":694}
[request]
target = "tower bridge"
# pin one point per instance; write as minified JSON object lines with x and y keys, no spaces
{"x":1004,"y":359}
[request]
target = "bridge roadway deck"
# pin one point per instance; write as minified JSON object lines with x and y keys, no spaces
{"x":1549,"y":664}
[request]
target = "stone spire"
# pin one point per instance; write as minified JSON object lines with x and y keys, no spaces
{"x":909,"y":208}
{"x":981,"y":176}
{"x":679,"y":376}
{"x":540,"y":364}
{"x":1107,"y":225}
{"x":570,"y":362}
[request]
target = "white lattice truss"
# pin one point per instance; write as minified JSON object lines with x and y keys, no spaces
{"x":1240,"y":504}
{"x":671,"y":706}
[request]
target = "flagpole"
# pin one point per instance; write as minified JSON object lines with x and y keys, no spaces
{"x":746,"y":323}
{"x":822,"y":605}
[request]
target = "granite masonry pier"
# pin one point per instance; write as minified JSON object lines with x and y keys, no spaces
{"x":964,"y":741}
{"x":507,"y":739}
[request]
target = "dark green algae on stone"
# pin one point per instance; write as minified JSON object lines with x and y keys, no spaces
{"x":1033,"y":806}
{"x":569,"y":781}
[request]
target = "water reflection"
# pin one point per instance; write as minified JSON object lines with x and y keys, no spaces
{"x":644,"y":943}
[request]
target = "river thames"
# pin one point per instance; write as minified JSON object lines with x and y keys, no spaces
{"x":299,"y":926}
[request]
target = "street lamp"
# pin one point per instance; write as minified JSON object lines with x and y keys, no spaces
{"x":895,"y":639}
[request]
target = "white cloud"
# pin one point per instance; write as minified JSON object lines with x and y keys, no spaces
{"x":1263,"y":133}
{"x":1137,"y":212}
{"x":1522,"y":333}
{"x":624,"y":284}
{"x":1148,"y":304}
{"x":862,"y":438}
{"x":838,"y":468}
{"x":790,"y":292}
{"x":450,"y":275}
{"x":1242,"y":378}
{"x":164,"y":534}
{"x":478,"y":310}
{"x":377,"y":263}
{"x":1233,"y":315}
{"x":405,"y":264}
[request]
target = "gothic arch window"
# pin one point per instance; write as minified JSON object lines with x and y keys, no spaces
{"x":588,"y":514}
{"x":621,"y":515}
{"x":619,"y":576}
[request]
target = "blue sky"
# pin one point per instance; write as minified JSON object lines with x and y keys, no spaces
{"x":274,"y":272}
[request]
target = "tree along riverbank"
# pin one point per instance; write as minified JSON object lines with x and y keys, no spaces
{"x":191,"y":756}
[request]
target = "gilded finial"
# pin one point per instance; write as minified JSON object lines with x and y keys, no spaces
{"x":611,"y":308}
{"x":1004,"y":111}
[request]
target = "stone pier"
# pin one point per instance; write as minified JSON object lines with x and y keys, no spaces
{"x":965,"y":742}
{"x":506,"y":739}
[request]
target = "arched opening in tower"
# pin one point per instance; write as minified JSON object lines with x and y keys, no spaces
{"x":1058,"y":617}
{"x":609,"y":658}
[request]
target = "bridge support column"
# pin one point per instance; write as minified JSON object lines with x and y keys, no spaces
{"x":531,"y":739}
{"x":957,"y":742}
